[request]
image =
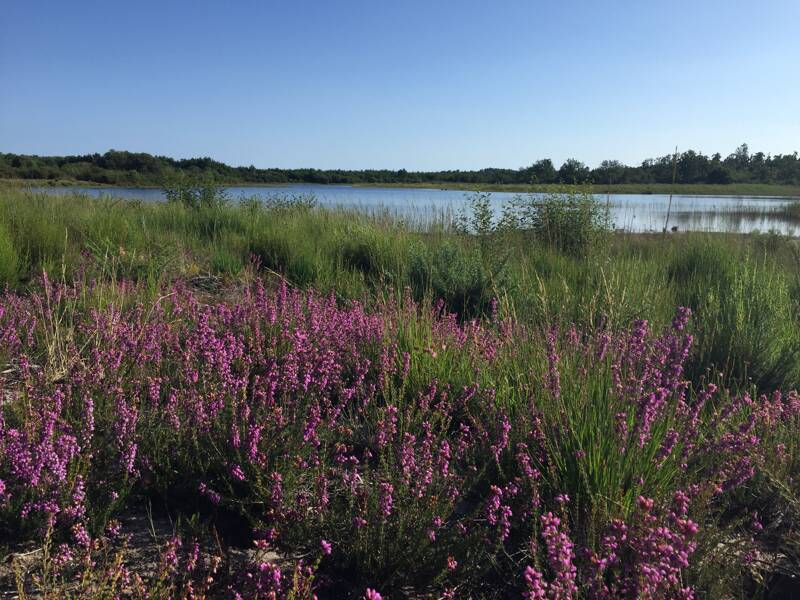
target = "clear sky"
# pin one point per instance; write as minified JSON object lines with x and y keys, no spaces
{"x":399,"y":84}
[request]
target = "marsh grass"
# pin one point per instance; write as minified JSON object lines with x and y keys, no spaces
{"x":788,"y":212}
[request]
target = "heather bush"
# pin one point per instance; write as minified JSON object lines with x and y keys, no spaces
{"x":359,"y":256}
{"x":400,"y":447}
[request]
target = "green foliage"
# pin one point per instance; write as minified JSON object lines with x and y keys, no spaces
{"x":573,"y":171}
{"x":294,"y":202}
{"x":276,"y":252}
{"x":543,"y":171}
{"x":40,"y":232}
{"x":380,"y":258}
{"x":227,"y":260}
{"x":700,"y":264}
{"x":549,"y":261}
{"x":479,"y":218}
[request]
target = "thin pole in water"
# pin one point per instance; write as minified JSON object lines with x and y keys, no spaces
{"x":674,"y":178}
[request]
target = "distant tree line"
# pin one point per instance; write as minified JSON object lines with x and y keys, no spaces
{"x":138,"y":168}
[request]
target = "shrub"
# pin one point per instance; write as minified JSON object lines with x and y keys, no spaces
{"x":41,"y":235}
{"x":402,"y":449}
{"x":575,"y":223}
{"x":479,"y":218}
{"x":226,"y":260}
{"x":698,"y":264}
{"x":290,"y":202}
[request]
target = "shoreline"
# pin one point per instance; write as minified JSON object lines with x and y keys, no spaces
{"x":745,"y":190}
{"x":741,"y":190}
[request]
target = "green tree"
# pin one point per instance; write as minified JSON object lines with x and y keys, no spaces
{"x":573,"y":171}
{"x":542,"y":171}
{"x":610,"y":171}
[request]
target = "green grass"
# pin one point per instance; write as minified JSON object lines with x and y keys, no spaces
{"x":9,"y":260}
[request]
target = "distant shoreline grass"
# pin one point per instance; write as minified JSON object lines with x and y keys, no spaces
{"x":753,"y":190}
{"x":700,"y":189}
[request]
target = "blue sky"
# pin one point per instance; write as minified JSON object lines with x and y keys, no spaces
{"x":399,"y":84}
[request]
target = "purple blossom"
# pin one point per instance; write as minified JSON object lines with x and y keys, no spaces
{"x":326,"y":547}
{"x":237,"y":473}
{"x":385,"y":500}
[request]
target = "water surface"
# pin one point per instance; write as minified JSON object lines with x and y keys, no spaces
{"x":630,"y":212}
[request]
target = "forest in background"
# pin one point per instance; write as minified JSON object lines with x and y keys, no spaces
{"x":141,"y":169}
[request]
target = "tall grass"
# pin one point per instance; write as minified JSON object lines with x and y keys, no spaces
{"x":746,"y":315}
{"x":9,"y":260}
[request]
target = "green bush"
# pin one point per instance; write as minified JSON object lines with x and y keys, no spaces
{"x":700,"y":263}
{"x":362,"y":252}
{"x":42,"y":238}
{"x":572,"y":222}
{"x":226,"y":261}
